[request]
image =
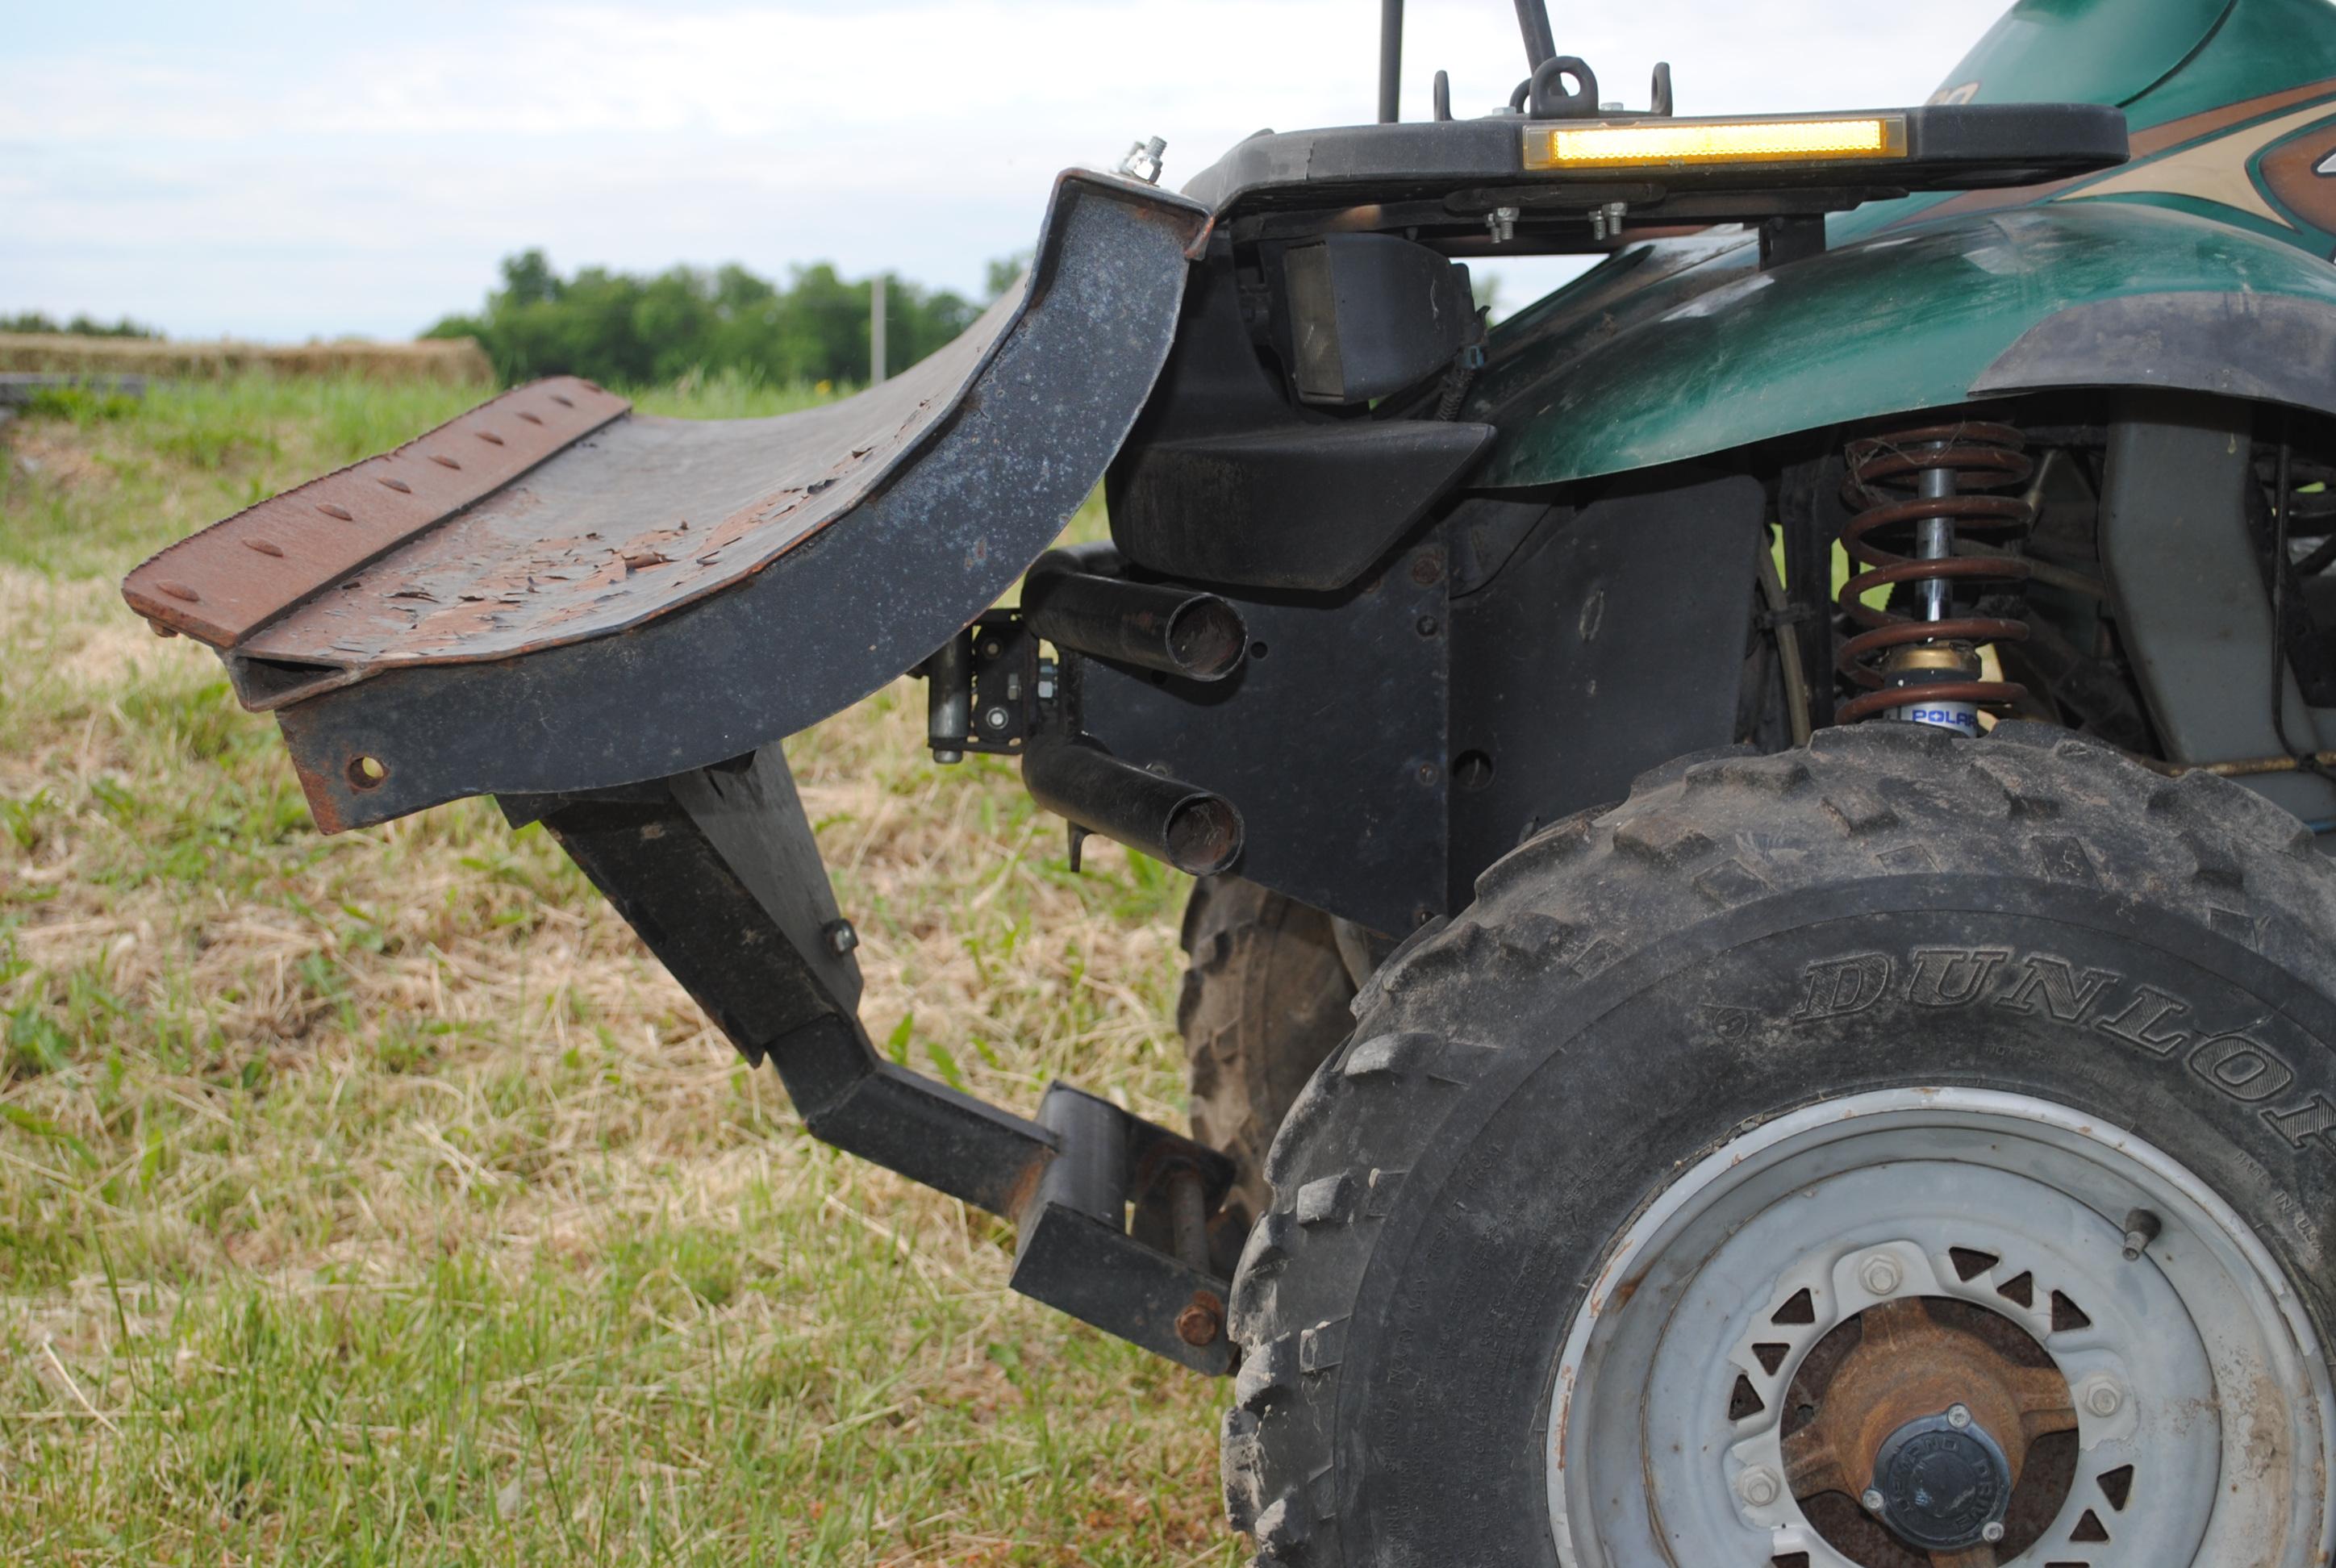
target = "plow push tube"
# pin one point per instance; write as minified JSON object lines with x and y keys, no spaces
{"x":718,"y":871}
{"x":609,"y":622}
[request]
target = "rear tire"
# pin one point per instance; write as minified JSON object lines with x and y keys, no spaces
{"x":2045,"y":988}
{"x":1264,"y":1001}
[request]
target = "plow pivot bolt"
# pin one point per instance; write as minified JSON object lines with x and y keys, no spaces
{"x":1871,"y":1499}
{"x":1958,"y":1417}
{"x":1991,"y":1532}
{"x":995,"y":718}
{"x":1200,"y":1323}
{"x":1759,"y":1486}
{"x":840,"y":937}
{"x":2141,"y":1228}
{"x":1881,"y":1274}
{"x":2104,"y":1397}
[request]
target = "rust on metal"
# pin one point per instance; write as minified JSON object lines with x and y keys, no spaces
{"x":590,"y":561}
{"x":562,"y":518}
{"x":1200,"y":1322}
{"x":212,"y":590}
{"x":1906,"y":1365}
{"x":649,"y":515}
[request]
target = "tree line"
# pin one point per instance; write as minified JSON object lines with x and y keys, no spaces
{"x":626,"y":330}
{"x":79,"y":327}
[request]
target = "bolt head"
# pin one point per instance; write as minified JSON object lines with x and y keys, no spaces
{"x":1958,"y":1417}
{"x":1759,"y":1486}
{"x":840,"y":937}
{"x":1872,"y":1498}
{"x":995,"y":718}
{"x":1881,"y":1274}
{"x":1199,"y":1324}
{"x":1991,"y":1532}
{"x":2104,"y":1397}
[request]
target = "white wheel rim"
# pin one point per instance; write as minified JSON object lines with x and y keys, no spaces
{"x":2217,"y":1396}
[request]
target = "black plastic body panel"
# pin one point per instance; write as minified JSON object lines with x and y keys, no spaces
{"x":1329,"y":739}
{"x":1520,"y":661}
{"x":1612,"y":640}
{"x":1226,"y":480}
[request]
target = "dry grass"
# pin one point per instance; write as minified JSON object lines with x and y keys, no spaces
{"x":455,"y":362}
{"x":377,"y":1199}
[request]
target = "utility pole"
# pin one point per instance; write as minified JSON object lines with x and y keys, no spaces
{"x":876,"y":330}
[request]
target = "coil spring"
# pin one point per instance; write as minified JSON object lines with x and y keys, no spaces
{"x":1886,"y":479}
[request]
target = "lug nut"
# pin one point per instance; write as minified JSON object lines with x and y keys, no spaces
{"x":1872,"y":1498}
{"x":1991,"y":1532}
{"x":2103,"y":1397}
{"x":1958,"y":1417}
{"x":1759,"y":1486}
{"x":1879,"y":1274}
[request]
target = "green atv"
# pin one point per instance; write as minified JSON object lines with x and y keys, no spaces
{"x":1840,"y":1072}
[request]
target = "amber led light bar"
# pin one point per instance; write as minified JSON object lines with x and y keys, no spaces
{"x":1705,"y":143}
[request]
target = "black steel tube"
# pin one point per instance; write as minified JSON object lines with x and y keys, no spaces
{"x":1176,"y":631}
{"x":1188,"y":1216}
{"x":1165,"y":818}
{"x":1390,"y":60}
{"x":1541,"y":44}
{"x":949,"y":697}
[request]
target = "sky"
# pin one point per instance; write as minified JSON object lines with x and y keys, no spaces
{"x":282,"y":172}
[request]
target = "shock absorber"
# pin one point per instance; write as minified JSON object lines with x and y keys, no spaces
{"x":1914,"y":490}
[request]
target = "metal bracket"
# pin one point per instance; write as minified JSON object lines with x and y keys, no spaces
{"x":720,"y":873}
{"x":985,"y":688}
{"x":1795,"y":236}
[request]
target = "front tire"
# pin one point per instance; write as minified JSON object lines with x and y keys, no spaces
{"x":1264,"y":1001}
{"x":1734,"y":1128}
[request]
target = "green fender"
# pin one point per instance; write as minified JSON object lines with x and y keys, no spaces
{"x":2201,"y":265}
{"x":1681,"y":348}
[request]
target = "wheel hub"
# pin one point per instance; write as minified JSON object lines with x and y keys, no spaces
{"x":1927,"y":1424}
{"x":1940,"y":1485}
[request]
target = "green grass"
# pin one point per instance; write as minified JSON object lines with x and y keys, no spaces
{"x":377,"y":1199}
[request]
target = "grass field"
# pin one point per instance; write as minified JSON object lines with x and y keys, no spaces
{"x":377,"y":1199}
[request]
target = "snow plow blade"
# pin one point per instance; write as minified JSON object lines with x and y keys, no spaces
{"x":552,"y":594}
{"x":608,"y":622}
